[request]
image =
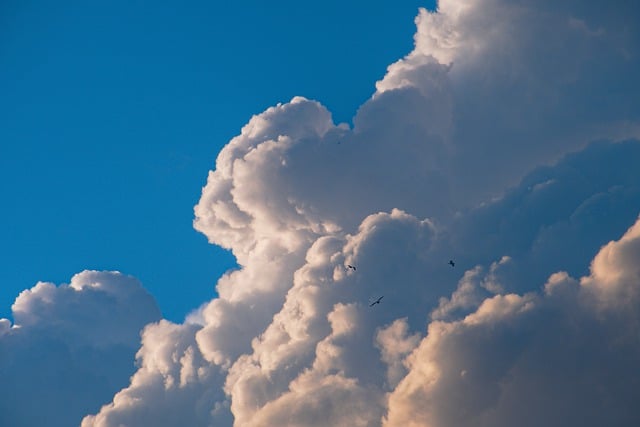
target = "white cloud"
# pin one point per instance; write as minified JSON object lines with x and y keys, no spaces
{"x":516,"y":87}
{"x":524,"y":85}
{"x":395,"y":344}
{"x":458,"y":154}
{"x":615,"y":273}
{"x":174,"y":384}
{"x":71,"y":347}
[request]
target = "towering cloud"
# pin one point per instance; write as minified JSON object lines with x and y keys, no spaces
{"x":477,"y":146}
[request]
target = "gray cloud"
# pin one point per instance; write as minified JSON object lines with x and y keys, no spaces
{"x":556,"y":218}
{"x":566,"y":356}
{"x":71,"y":347}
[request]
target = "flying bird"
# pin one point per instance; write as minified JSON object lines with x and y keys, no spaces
{"x":351,"y":266}
{"x":376,"y":301}
{"x":451,"y":263}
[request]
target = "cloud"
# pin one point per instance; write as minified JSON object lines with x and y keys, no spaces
{"x":555,"y":219}
{"x":325,"y":341}
{"x":477,"y":146}
{"x":565,"y":356}
{"x":324,"y":334}
{"x":526,"y":83}
{"x":70,"y":347}
{"x":174,"y":385}
{"x":490,"y":91}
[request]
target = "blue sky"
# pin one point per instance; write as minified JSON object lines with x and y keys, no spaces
{"x":113,"y":113}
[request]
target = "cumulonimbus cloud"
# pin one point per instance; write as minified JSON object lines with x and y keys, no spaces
{"x":477,"y":146}
{"x":491,"y":90}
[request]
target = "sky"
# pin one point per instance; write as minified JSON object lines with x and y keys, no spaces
{"x":112,"y":115}
{"x":504,"y":135}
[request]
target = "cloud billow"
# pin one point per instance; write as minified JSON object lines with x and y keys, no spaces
{"x":70,"y":347}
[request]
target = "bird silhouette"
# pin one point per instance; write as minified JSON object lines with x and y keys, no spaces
{"x":376,"y":301}
{"x":351,"y":267}
{"x":451,"y":263}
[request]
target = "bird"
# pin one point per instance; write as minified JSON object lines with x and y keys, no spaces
{"x":451,"y":263}
{"x":376,"y":301}
{"x":351,"y":267}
